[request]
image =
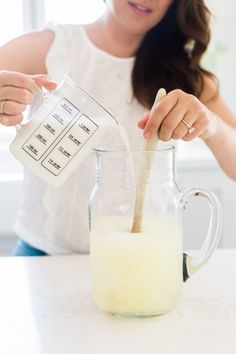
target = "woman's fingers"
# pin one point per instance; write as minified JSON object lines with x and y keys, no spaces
{"x":20,"y":95}
{"x":161,"y":111}
{"x":179,"y":116}
{"x":44,"y":81}
{"x":13,"y":108}
{"x":171,"y":122}
{"x":142,"y":123}
{"x":185,"y":126}
{"x":11,"y":120}
{"x":21,"y":88}
{"x":16,"y":91}
{"x":15,"y":79}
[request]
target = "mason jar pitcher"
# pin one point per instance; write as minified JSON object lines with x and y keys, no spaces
{"x":137,"y":260}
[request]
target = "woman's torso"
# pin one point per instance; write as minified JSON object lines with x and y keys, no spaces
{"x":56,"y":220}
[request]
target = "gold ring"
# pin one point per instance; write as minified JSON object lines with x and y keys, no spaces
{"x":190,"y":129}
{"x":2,"y":106}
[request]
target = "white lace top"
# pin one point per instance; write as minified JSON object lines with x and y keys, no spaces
{"x":56,"y":220}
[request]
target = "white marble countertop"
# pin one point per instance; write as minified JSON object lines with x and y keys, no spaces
{"x":46,"y":308}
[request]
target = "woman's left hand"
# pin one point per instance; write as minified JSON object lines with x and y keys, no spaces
{"x":179,"y":116}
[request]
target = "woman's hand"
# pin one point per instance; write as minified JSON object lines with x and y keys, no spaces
{"x":179,"y":116}
{"x":16,"y":91}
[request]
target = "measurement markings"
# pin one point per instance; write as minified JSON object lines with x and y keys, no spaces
{"x":41,"y":139}
{"x":54,"y":164}
{"x":32,"y":148}
{"x":86,"y":129}
{"x":50,"y":129}
{"x":66,"y":109}
{"x":76,"y":141}
{"x":58,"y":118}
{"x":64,"y":152}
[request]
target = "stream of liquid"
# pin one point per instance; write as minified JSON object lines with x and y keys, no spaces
{"x":136,"y":272}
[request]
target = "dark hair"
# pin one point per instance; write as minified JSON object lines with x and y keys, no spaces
{"x":161,"y":60}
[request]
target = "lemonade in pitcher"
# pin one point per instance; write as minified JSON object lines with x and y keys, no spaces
{"x":127,"y":268}
{"x":139,"y":271}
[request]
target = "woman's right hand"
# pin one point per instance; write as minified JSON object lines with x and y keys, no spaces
{"x":16,"y":92}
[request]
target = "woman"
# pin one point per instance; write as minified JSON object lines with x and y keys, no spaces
{"x":122,"y":59}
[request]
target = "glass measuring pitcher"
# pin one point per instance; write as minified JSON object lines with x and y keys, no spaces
{"x":140,"y":273}
{"x":61,"y":132}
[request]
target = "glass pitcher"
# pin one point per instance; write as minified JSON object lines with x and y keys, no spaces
{"x":138,"y":271}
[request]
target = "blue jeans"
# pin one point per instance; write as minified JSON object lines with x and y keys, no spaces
{"x":24,"y":249}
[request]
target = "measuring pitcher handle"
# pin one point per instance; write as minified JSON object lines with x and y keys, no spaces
{"x":192,"y":263}
{"x":41,"y":94}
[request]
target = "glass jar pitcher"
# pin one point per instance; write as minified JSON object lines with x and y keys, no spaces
{"x":137,"y":260}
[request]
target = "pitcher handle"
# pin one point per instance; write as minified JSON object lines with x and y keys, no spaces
{"x":192,"y":263}
{"x":42,"y":94}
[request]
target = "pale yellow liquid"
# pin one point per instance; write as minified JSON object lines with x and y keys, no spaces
{"x":136,"y":274}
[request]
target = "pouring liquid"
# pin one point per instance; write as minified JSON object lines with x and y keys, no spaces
{"x":136,"y":274}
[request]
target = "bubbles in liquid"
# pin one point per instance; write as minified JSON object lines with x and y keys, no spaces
{"x":138,"y":275}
